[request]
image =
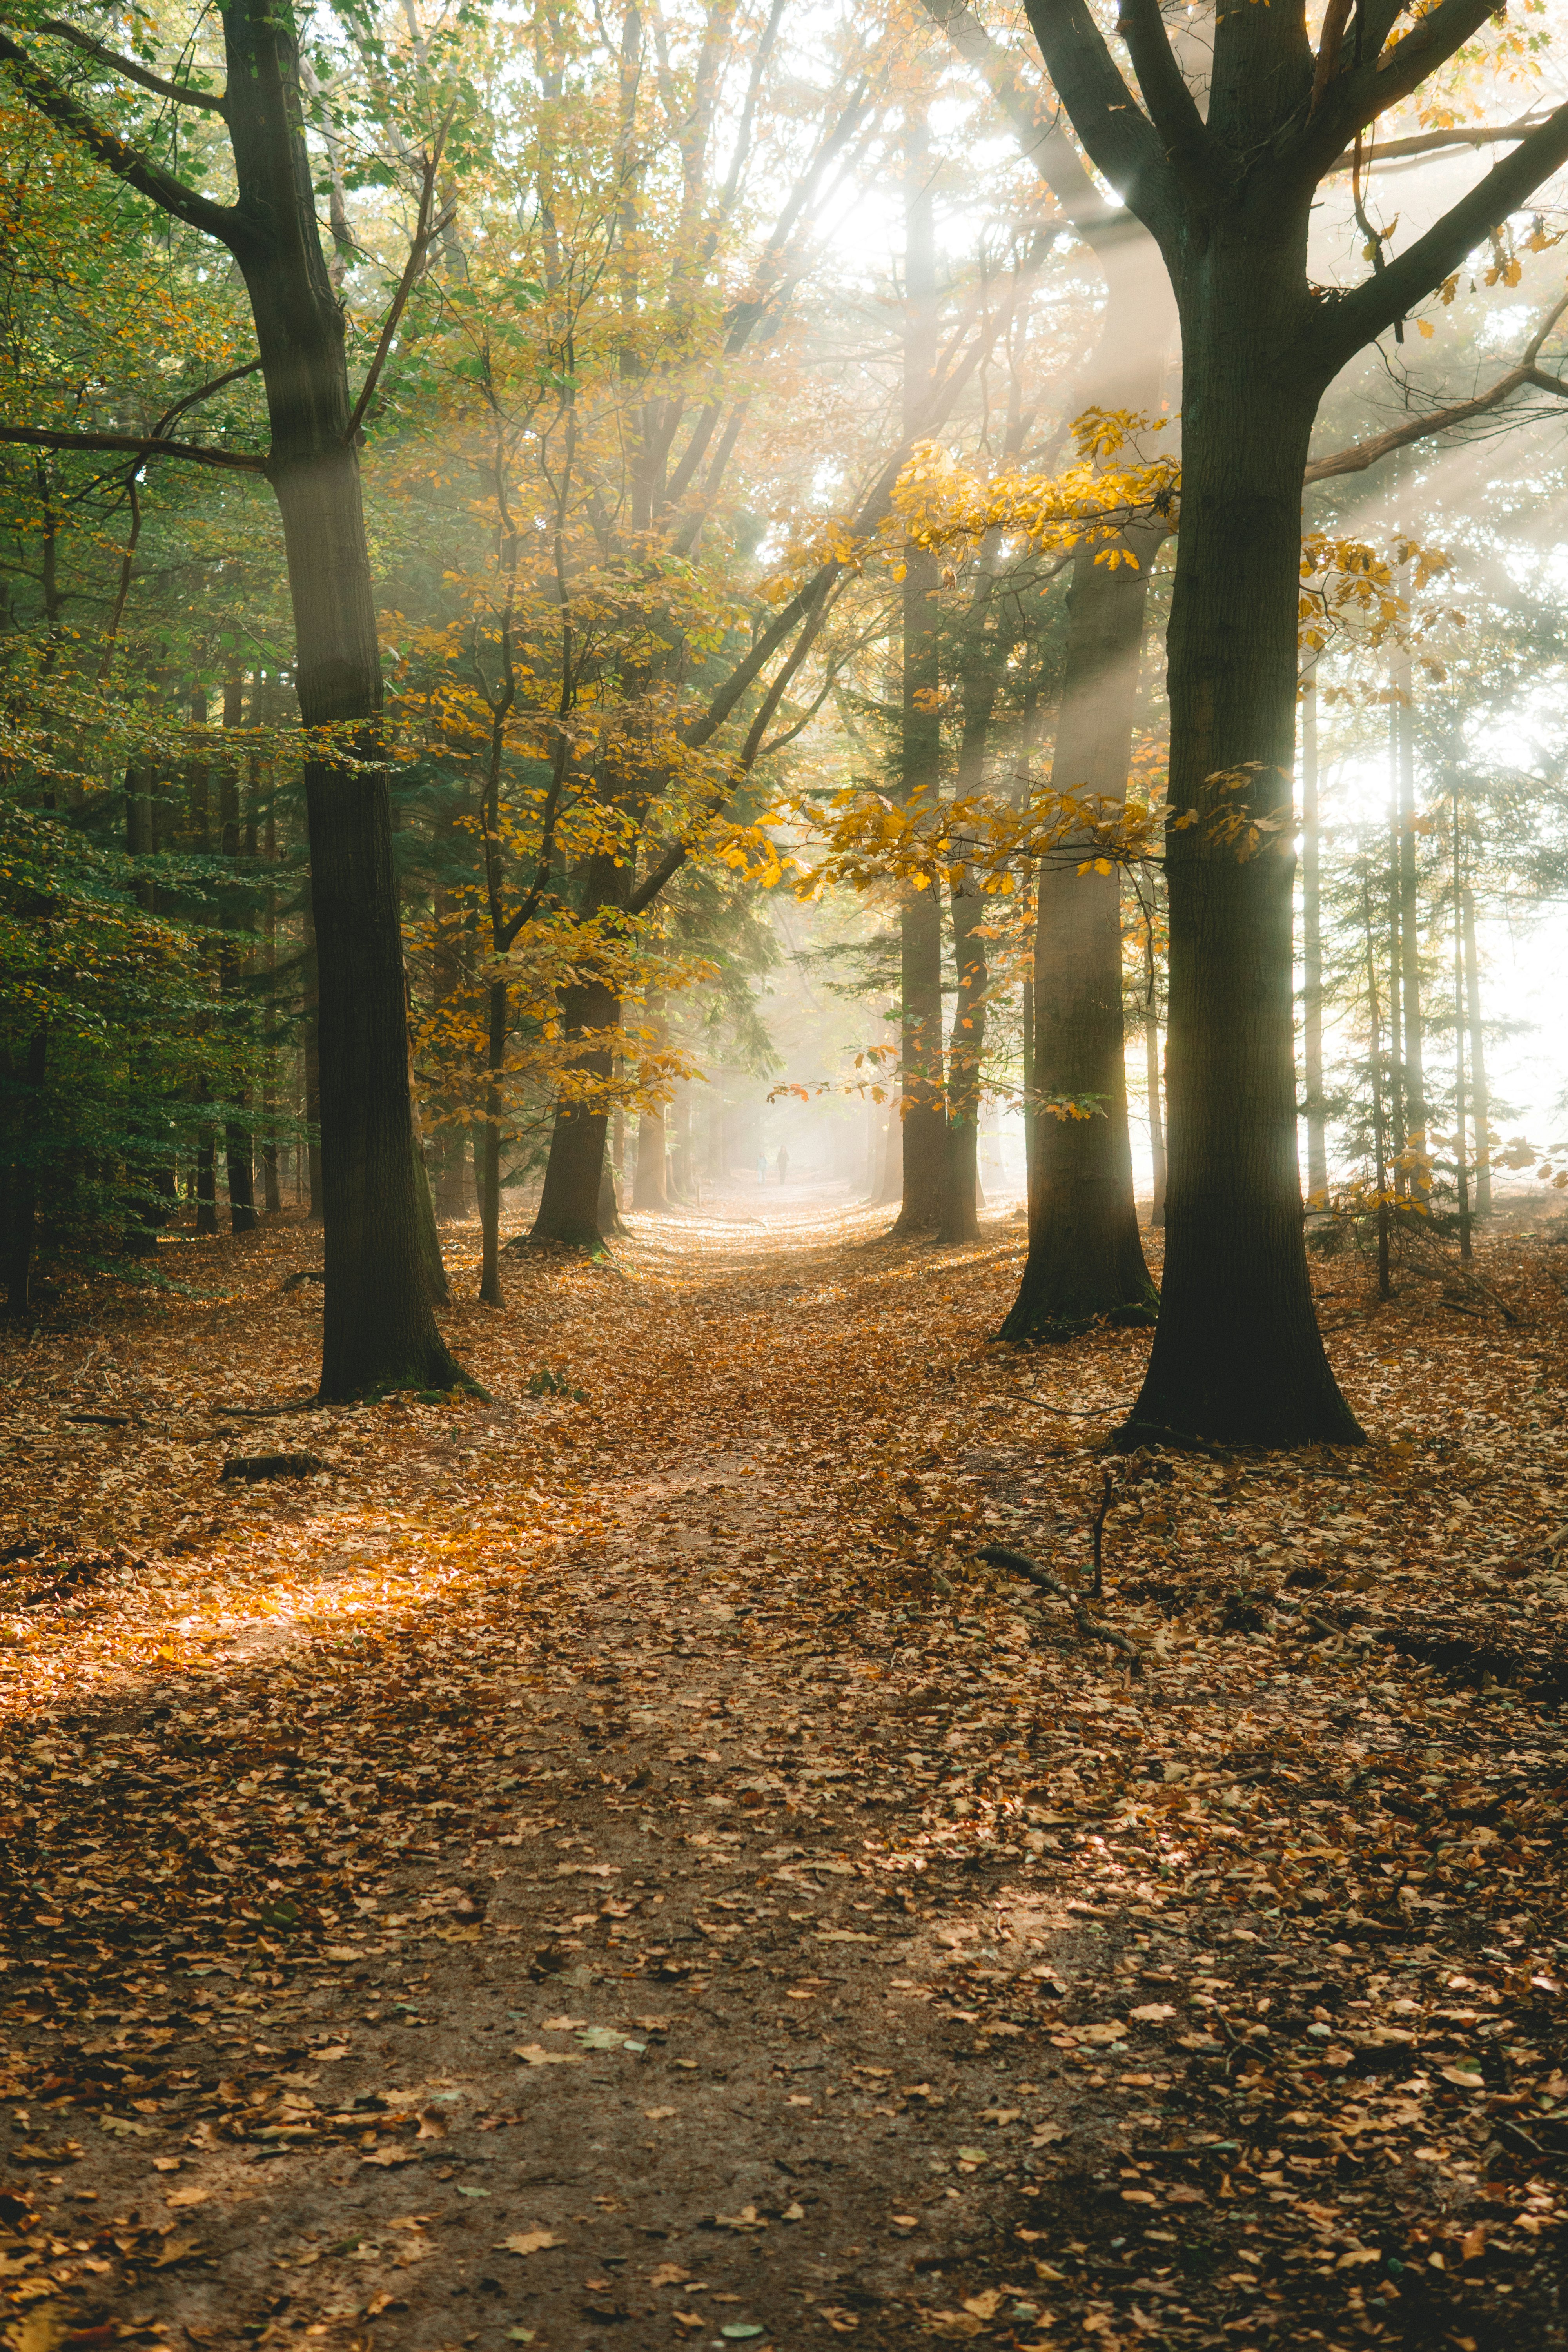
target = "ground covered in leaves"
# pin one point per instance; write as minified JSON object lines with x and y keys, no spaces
{"x":610,"y":1865}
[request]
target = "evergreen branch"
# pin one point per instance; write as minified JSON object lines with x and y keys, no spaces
{"x":183,"y":93}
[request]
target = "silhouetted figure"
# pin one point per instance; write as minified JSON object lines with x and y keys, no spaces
{"x":784,"y":1163}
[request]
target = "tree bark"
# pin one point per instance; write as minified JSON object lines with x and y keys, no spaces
{"x":1086,"y":1261}
{"x":569,"y":1202}
{"x":1237,"y":1353}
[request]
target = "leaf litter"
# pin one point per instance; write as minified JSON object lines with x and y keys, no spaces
{"x":632,"y":1803}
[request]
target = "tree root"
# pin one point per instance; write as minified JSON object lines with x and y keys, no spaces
{"x":1090,"y":1627}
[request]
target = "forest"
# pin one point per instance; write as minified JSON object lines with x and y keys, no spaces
{"x":784,"y":1316}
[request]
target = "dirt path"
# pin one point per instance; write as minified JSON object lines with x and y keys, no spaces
{"x":614,"y":1868}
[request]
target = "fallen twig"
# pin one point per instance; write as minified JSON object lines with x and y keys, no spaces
{"x":266,"y":1412}
{"x":1090,"y":1627}
{"x":1021,"y":1396}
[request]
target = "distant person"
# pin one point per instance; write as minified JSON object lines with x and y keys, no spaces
{"x":761,"y":1167}
{"x":784,"y":1163}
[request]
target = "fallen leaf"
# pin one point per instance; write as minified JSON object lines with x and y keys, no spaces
{"x":528,"y":2241}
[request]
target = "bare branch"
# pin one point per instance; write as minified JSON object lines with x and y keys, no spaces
{"x":425,"y":230}
{"x":181,"y":92}
{"x":132,"y":445}
{"x":1435,"y":143}
{"x":1362,"y":455}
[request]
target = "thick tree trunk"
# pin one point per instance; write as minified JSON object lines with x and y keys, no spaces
{"x":569,"y":1204}
{"x":1086,"y":1260}
{"x":378,"y":1329}
{"x":966,"y":1052}
{"x":1237,"y":1355}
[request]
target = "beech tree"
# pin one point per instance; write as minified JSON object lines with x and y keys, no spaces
{"x":1227,"y":190}
{"x":379,"y":1329}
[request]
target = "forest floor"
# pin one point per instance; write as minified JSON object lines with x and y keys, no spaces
{"x":614,"y":1868}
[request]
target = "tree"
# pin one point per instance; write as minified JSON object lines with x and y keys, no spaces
{"x":379,"y":1330}
{"x":1085,"y":1259}
{"x":1227,"y":195}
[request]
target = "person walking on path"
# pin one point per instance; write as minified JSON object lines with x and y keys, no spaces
{"x":761,"y":1167}
{"x":784,"y":1163}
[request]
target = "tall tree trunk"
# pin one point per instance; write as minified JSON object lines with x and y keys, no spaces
{"x":489,"y":1175}
{"x":1480,"y":1101}
{"x":1237,"y":1356}
{"x":312,"y":1070}
{"x":649,"y":1183}
{"x":378,"y":1328}
{"x":966,"y":1048}
{"x":569,"y":1202}
{"x":272,"y":1197}
{"x":1086,"y":1260}
{"x":206,"y":1181}
{"x":1410,"y":930}
{"x":237,"y":1139}
{"x":920,"y":755}
{"x":1312,"y":950}
{"x":26,"y":1121}
{"x":1152,"y":1072}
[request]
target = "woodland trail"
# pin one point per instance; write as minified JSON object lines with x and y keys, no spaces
{"x":614,"y":1868}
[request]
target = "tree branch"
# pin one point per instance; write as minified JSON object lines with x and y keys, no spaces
{"x":53,"y":100}
{"x":1357,"y":96}
{"x":181,"y":92}
{"x":426,"y":229}
{"x":1433,"y":142}
{"x":1362,"y":455}
{"x":1194,"y":154}
{"x":1123,"y":142}
{"x":1343,"y":326}
{"x":132,"y":445}
{"x":202,"y":392}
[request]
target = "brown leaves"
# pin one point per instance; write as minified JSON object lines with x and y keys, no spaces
{"x":529,"y":2241}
